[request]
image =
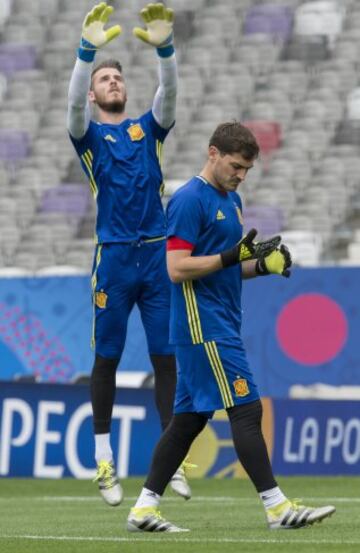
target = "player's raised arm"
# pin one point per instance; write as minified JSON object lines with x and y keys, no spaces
{"x":158,"y":21}
{"x":93,"y":37}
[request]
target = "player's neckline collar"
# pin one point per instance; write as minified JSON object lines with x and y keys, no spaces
{"x":212,"y":186}
{"x":113,"y":124}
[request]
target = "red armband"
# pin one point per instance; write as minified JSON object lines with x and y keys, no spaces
{"x":175,"y":243}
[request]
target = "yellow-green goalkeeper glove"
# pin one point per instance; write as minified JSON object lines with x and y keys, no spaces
{"x":248,"y":249}
{"x":94,"y":36}
{"x":277,"y":262}
{"x":159,"y":22}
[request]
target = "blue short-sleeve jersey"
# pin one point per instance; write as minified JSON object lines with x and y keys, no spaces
{"x":123,"y":164}
{"x":208,"y":308}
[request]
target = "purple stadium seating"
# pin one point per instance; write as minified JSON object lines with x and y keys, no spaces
{"x":72,"y":199}
{"x":16,"y":57}
{"x":273,"y":19}
{"x":14,"y":144}
{"x":268,"y":220}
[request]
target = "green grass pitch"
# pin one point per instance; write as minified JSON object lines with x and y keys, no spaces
{"x":225,"y":516}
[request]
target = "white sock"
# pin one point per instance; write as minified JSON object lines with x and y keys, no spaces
{"x":147,"y":498}
{"x":103,"y":450}
{"x":272,"y":498}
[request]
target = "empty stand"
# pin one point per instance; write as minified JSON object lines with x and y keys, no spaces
{"x":287,"y":68}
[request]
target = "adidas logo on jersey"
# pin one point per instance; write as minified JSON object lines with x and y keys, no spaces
{"x":220,"y":216}
{"x":109,"y":138}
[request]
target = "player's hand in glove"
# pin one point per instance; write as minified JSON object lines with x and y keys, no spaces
{"x":277,"y":262}
{"x":159,"y":22}
{"x":248,"y":249}
{"x":94,"y":36}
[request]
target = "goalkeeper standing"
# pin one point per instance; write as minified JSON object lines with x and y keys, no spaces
{"x":207,"y":259}
{"x":122,"y":158}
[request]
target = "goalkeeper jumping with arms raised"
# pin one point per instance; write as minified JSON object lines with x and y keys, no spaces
{"x":121,"y":158}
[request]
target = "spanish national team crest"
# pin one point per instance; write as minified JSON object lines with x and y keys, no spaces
{"x":241,"y":387}
{"x":136,"y":132}
{"x":101,"y":299}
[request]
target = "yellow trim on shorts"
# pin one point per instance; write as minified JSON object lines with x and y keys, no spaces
{"x":192,"y":312}
{"x":93,"y":287}
{"x":219,"y":373}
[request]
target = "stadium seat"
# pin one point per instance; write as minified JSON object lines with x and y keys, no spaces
{"x":353,"y":104}
{"x":5,"y":12}
{"x":348,"y":132}
{"x":68,"y":199}
{"x":272,"y":19}
{"x":305,"y":246}
{"x":32,"y":33}
{"x":309,"y":49}
{"x":268,"y":134}
{"x":266,"y":197}
{"x":346,"y":50}
{"x":268,"y":220}
{"x":8,"y":205}
{"x":354,"y":253}
{"x":297,"y":138}
{"x":4,"y":177}
{"x":38,"y":7}
{"x":3,"y":86}
{"x":79,"y":259}
{"x":322,"y":17}
{"x":16,"y":57}
{"x":14,"y":145}
{"x":294,"y":83}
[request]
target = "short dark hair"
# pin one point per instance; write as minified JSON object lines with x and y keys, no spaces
{"x":107,"y":63}
{"x":233,"y":137}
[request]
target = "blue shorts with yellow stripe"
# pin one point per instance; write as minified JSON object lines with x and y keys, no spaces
{"x":211,"y":376}
{"x":125,"y":275}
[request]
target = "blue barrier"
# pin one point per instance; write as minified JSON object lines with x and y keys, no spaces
{"x":317,"y":437}
{"x":45,"y":432}
{"x":298,"y":331}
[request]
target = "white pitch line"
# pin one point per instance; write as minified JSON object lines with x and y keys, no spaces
{"x":194,"y":499}
{"x":128,"y":498}
{"x":164,"y":538}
